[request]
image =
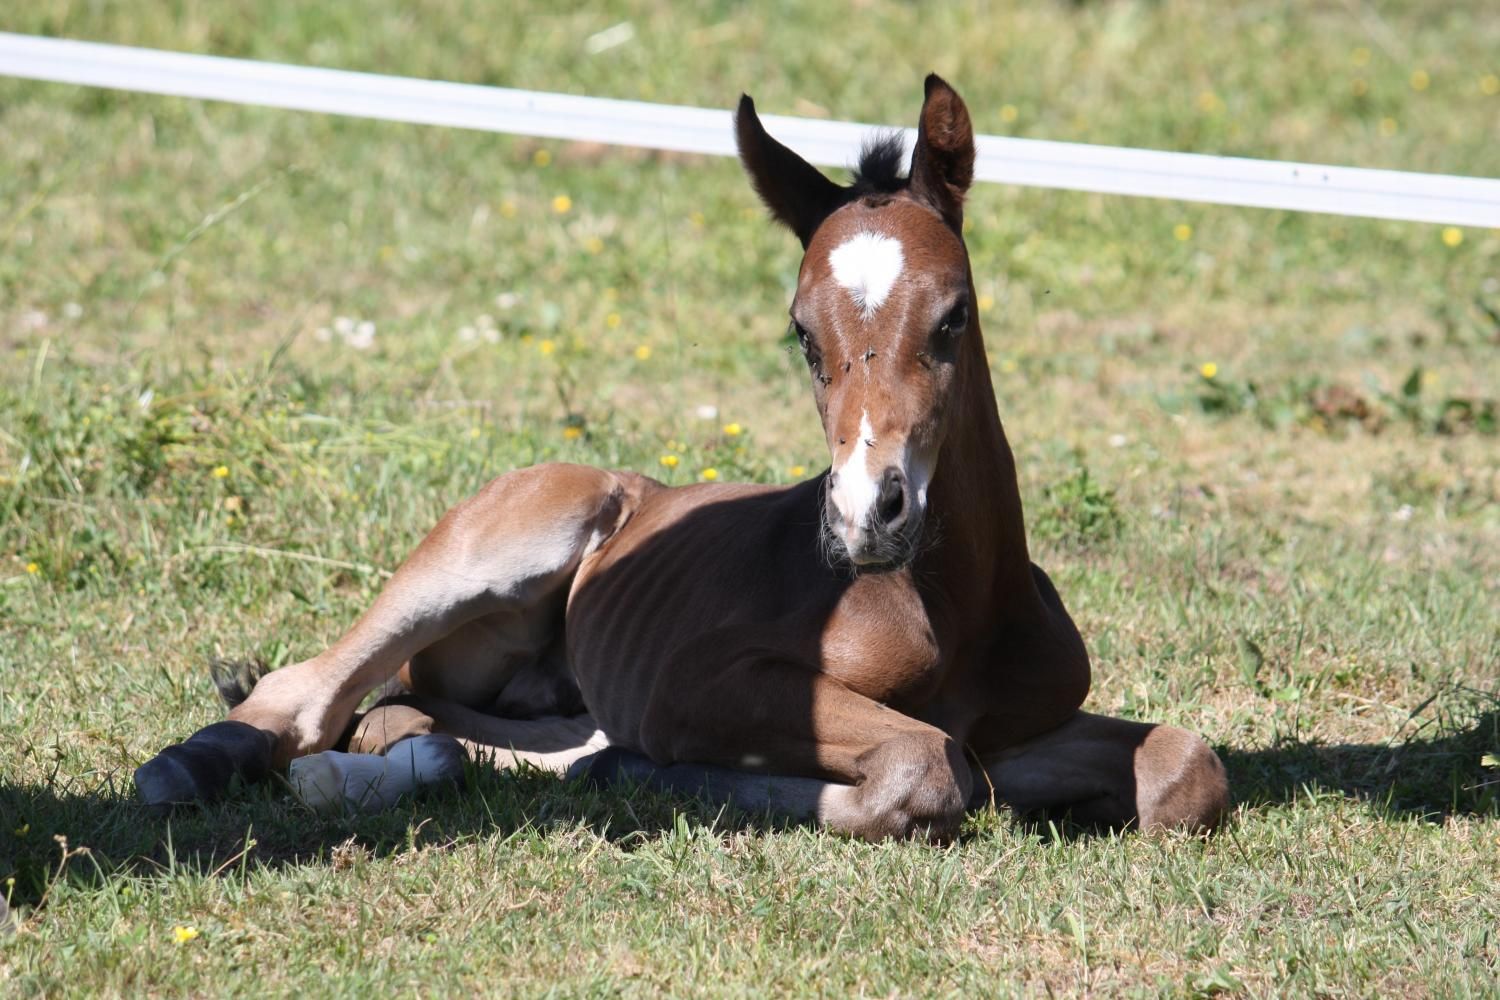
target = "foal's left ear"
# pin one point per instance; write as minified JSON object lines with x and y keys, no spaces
{"x":796,"y":193}
{"x":942,"y":163}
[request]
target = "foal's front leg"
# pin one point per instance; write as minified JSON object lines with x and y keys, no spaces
{"x":511,"y":547}
{"x":1116,"y":773}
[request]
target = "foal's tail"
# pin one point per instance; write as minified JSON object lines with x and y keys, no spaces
{"x":235,"y":679}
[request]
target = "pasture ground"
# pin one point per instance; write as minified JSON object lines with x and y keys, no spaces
{"x":1258,"y":452}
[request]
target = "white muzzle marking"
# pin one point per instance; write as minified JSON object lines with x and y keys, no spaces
{"x":854,"y":488}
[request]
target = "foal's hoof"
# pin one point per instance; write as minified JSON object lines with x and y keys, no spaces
{"x":203,"y":766}
{"x":333,"y":781}
{"x":611,"y":766}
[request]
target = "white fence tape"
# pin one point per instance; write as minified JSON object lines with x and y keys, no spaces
{"x":1303,"y":187}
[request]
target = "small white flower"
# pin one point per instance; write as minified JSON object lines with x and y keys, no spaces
{"x":707,"y":412}
{"x":490,"y":335}
{"x":1403,"y":513}
{"x":1118,"y":440}
{"x":485,"y":321}
{"x":33,"y":319}
{"x":467,"y":334}
{"x":343,"y":325}
{"x":363,"y":336}
{"x":72,"y":310}
{"x":507,"y":300}
{"x":322,"y":335}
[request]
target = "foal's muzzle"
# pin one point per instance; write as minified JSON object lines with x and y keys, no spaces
{"x":885,"y":534}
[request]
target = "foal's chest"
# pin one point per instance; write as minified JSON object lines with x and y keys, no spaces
{"x":881,"y":642}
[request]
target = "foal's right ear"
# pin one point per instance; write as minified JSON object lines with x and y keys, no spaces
{"x":796,"y":193}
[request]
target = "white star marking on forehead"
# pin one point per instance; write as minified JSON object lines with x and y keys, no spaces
{"x":867,"y":265}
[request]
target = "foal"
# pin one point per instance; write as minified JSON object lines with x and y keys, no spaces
{"x":872,"y":648}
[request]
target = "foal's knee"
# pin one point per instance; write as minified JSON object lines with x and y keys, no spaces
{"x":913,"y":787}
{"x":1180,"y":782}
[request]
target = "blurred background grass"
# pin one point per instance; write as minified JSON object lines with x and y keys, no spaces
{"x":252,"y":355}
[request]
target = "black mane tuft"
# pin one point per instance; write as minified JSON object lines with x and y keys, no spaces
{"x":879,"y":170}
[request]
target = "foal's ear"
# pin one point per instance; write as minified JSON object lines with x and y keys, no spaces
{"x":942,"y":163}
{"x":796,"y":193}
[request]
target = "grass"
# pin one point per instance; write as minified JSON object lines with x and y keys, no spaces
{"x":1295,"y":551}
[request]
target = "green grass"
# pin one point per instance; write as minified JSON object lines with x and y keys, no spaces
{"x":1298,"y":556}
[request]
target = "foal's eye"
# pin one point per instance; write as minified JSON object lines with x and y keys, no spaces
{"x":804,"y":339}
{"x":956,"y":322}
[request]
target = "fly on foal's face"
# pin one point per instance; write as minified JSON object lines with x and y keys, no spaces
{"x":882,"y":310}
{"x":881,"y":306}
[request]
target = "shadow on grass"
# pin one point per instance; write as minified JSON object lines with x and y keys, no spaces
{"x":1429,"y":778}
{"x":123,"y":838}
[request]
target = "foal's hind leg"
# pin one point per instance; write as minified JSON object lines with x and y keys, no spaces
{"x":553,"y":743}
{"x":510,"y":549}
{"x":1115,"y":773}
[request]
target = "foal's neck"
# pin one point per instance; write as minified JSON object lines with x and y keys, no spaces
{"x":975,"y":501}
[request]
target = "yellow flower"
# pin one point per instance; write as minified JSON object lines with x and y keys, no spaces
{"x":643,"y":352}
{"x":474,"y":432}
{"x":1182,"y":232}
{"x":798,"y":471}
{"x":594,"y":245}
{"x":572,"y":433}
{"x":1387,"y":127}
{"x":733,"y":430}
{"x":1358,"y":87}
{"x":1208,"y":369}
{"x":1453,"y":236}
{"x":1489,"y":84}
{"x":986,"y":303}
{"x":670,"y":461}
{"x":33,"y":568}
{"x":1208,"y":102}
{"x":562,"y":204}
{"x":1360,"y":56}
{"x":182,"y":935}
{"x":541,"y":157}
{"x":233,"y":504}
{"x":612,"y":320}
{"x":697,"y":219}
{"x":546,"y":346}
{"x":221,"y":472}
{"x":508,"y":209}
{"x":1420,"y":80}
{"x":1009,"y":366}
{"x":710,"y":474}
{"x":1009,"y":113}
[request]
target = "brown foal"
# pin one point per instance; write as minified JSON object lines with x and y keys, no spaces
{"x":872,"y":648}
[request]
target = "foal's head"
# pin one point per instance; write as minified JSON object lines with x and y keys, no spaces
{"x":883,"y":312}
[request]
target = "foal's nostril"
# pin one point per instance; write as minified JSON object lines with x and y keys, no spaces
{"x":890,"y":504}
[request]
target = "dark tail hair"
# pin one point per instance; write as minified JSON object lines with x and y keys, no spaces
{"x":235,"y":679}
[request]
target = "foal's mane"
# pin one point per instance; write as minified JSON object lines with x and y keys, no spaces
{"x":880,"y":162}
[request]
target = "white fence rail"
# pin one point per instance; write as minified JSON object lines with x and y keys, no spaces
{"x":1302,"y":187}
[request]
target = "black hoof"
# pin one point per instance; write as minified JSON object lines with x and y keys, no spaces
{"x":613,"y":765}
{"x":203,"y":766}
